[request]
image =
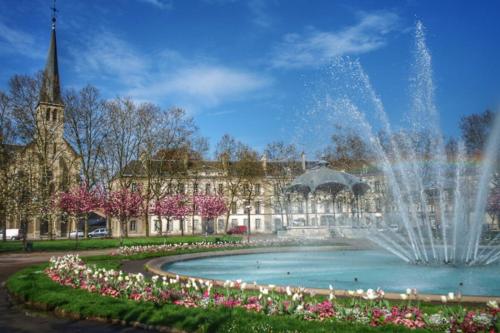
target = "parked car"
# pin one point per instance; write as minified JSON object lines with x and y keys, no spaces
{"x":11,"y":234}
{"x":237,"y":230}
{"x":99,"y":233}
{"x":73,"y":234}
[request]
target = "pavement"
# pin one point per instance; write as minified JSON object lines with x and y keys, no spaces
{"x":17,"y":319}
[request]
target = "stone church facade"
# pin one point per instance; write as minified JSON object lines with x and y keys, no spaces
{"x":46,"y":165}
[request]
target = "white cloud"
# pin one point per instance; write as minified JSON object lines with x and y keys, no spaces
{"x":261,"y":16}
{"x":161,"y":4}
{"x":316,"y":47}
{"x":18,"y":42}
{"x":163,"y":77}
{"x":204,"y":85}
{"x":110,"y":57}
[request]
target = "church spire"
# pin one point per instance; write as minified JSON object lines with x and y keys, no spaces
{"x":51,"y":90}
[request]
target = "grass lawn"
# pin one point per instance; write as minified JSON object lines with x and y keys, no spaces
{"x":33,"y":285}
{"x":105,"y":243}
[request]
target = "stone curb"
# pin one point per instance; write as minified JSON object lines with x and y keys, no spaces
{"x":154,"y":266}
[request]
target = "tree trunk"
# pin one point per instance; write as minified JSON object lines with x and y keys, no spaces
{"x":182,"y":226}
{"x":76,"y":230}
{"x":146,"y":223}
{"x":226,"y":227}
{"x":4,"y":225}
{"x":123,"y":230}
{"x":85,"y":227}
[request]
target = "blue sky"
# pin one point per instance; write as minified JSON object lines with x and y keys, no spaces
{"x":247,"y":67}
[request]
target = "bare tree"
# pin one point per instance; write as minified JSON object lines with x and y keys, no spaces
{"x":121,"y":144}
{"x":6,"y":138}
{"x":239,"y":168}
{"x":347,"y":150}
{"x":84,"y":122}
{"x":41,"y":129}
{"x":476,"y":129}
{"x":166,"y":137}
{"x":282,"y":163}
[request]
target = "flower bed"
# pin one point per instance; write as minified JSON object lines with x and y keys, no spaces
{"x":298,"y":303}
{"x":173,"y":247}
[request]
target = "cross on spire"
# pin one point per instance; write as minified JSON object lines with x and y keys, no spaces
{"x":54,"y":11}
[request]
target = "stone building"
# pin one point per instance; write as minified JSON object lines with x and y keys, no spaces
{"x":46,"y":164}
{"x":270,"y":209}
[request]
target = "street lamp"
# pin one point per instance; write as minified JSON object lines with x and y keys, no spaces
{"x":248,"y":209}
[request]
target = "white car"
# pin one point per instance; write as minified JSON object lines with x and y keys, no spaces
{"x":11,"y":234}
{"x":73,"y":234}
{"x":99,"y":233}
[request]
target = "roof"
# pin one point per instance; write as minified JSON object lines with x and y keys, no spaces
{"x":51,"y":90}
{"x":323,"y":179}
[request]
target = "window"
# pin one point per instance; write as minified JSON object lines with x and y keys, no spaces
{"x":234,"y":222}
{"x":54,"y":115}
{"x":134,"y":187}
{"x":207,"y":188}
{"x":47,"y":115}
{"x":245,"y":188}
{"x":276,"y":208}
{"x":196,"y":223}
{"x":326,"y":207}
{"x":133,"y":226}
{"x":221,"y":189}
{"x":377,"y":186}
{"x":195,"y":188}
{"x":257,"y":207}
{"x":220,"y":224}
{"x":181,"y":188}
{"x":233,"y":208}
{"x":257,"y":223}
{"x":157,"y":225}
{"x":257,"y":189}
{"x":245,"y":221}
{"x":313,"y":207}
{"x":301,"y":207}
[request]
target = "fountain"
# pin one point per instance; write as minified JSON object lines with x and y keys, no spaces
{"x":419,"y":176}
{"x":439,"y":201}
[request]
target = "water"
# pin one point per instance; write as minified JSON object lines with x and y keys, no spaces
{"x":438,"y":198}
{"x":339,"y":268}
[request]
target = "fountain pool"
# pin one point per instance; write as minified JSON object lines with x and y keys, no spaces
{"x":322,"y":268}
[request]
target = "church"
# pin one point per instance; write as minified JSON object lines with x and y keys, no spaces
{"x":47,"y":164}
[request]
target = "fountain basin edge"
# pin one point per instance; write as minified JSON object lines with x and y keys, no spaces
{"x":155,"y":266}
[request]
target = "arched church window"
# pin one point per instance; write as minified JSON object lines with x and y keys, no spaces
{"x":54,"y":115}
{"x":47,"y":115}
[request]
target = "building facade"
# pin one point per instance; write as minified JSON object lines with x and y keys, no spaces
{"x":47,"y":164}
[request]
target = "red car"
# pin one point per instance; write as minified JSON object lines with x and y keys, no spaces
{"x":238,"y":230}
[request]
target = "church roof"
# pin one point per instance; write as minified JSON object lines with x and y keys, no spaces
{"x":51,"y":89}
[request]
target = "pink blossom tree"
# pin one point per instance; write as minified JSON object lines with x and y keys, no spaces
{"x":122,"y":204}
{"x":78,"y":203}
{"x":210,"y":207}
{"x":173,"y":207}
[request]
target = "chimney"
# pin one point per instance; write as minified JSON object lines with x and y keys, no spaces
{"x":303,"y":155}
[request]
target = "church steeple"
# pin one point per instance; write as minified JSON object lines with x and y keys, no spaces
{"x":50,"y":110}
{"x":51,"y":89}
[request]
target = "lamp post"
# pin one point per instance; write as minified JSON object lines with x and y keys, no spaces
{"x":248,"y":209}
